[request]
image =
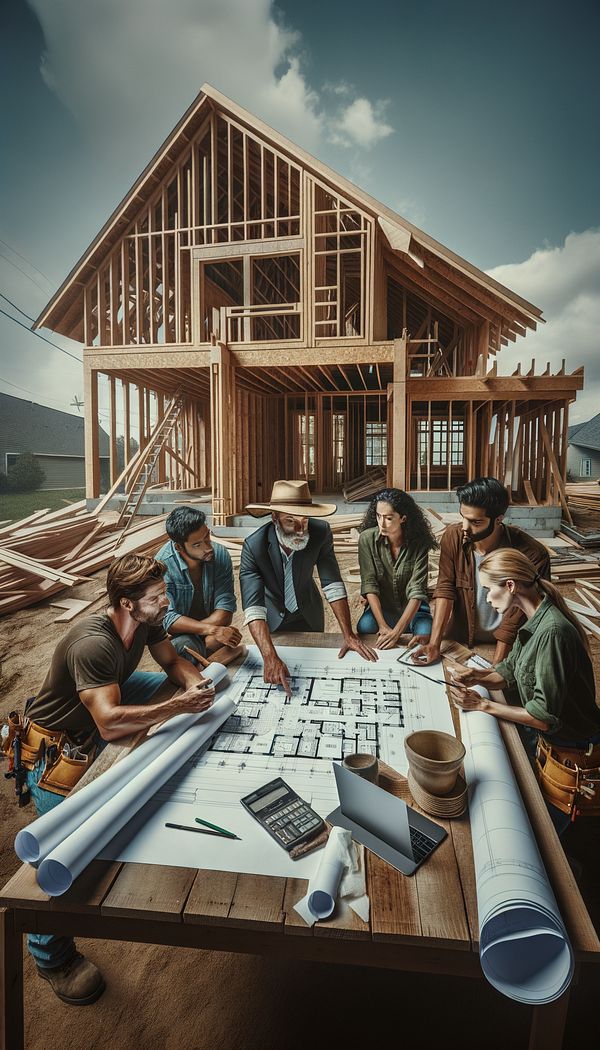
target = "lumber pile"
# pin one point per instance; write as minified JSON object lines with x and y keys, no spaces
{"x":583,"y":499}
{"x":361,"y":488}
{"x":47,"y":552}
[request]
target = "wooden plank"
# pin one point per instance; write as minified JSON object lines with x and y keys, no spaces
{"x":149,"y":891}
{"x":295,"y":926}
{"x":443,"y":919}
{"x":344,"y":923}
{"x":394,"y":900}
{"x":22,"y":889}
{"x":460,"y":829}
{"x":211,"y":897}
{"x":556,"y":470}
{"x":74,"y":606}
{"x":258,"y":902}
{"x":89,"y":889}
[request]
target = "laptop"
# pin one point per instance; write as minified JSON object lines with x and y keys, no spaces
{"x":384,"y":823}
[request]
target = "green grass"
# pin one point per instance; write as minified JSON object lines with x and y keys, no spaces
{"x":17,"y":505}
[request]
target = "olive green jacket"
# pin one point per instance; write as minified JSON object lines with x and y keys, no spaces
{"x":394,"y":582}
{"x":552,"y":672}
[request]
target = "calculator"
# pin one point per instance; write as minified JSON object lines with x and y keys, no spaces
{"x":286,"y":816}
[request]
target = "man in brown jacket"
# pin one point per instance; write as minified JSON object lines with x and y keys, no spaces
{"x":460,"y":600}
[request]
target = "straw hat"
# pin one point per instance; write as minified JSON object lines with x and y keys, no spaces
{"x":292,"y":497}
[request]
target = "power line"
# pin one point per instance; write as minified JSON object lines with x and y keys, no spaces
{"x":14,"y":305}
{"x":43,"y":337}
{"x":24,"y":272}
{"x":25,"y":259}
{"x":101,"y":411}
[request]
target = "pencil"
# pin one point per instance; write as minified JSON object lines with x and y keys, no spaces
{"x":437,"y":681}
{"x":202,"y":831}
{"x":215,"y":827}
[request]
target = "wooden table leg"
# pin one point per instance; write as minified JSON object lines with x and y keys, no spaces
{"x":548,"y":1024}
{"x":12,"y":1034}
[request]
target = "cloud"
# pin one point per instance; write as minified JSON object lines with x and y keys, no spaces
{"x":563,"y":282}
{"x":127,"y":71}
{"x":360,"y":124}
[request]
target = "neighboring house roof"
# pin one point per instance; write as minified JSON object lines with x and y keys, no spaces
{"x":64,"y":311}
{"x":587,"y":434}
{"x":36,"y":428}
{"x":573,"y":430}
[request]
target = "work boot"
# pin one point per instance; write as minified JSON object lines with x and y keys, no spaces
{"x":77,"y":982}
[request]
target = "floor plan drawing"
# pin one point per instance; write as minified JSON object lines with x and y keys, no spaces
{"x":336,"y":707}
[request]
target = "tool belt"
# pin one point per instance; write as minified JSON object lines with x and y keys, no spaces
{"x":65,"y":761}
{"x":569,"y":777}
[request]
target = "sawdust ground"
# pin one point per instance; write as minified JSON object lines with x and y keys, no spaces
{"x":182,"y":999}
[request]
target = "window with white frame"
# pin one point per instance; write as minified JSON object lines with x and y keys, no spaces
{"x":376,"y":444}
{"x":443,"y":438}
{"x":11,"y":458}
{"x":585,"y":469}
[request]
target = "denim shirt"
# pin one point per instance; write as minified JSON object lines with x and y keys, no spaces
{"x":217,"y":583}
{"x":553,"y":674}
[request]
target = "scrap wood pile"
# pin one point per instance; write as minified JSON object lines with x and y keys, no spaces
{"x":47,"y":552}
{"x":361,"y":488}
{"x":569,"y":561}
{"x":587,"y":608}
{"x":583,"y":500}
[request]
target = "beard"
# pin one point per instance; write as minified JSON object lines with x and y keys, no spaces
{"x":475,"y":537}
{"x":293,"y":542}
{"x":151,"y":619}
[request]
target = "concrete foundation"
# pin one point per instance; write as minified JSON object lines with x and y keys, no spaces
{"x":540,"y":521}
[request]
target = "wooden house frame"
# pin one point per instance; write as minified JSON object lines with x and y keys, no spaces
{"x":273,"y":320}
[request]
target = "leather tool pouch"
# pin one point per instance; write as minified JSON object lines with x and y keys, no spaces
{"x":568,"y":779}
{"x":61,"y":771}
{"x":36,"y":741}
{"x":62,"y":774}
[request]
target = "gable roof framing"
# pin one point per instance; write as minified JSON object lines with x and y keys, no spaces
{"x":430,"y":266}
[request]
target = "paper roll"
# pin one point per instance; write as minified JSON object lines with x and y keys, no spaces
{"x":35,"y":842}
{"x":524,"y":947}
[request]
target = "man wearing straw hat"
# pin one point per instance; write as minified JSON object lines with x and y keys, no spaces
{"x":276,"y":576}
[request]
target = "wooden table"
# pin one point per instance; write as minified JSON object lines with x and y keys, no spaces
{"x":427,"y":923}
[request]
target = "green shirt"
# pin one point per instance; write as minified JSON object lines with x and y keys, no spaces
{"x":395,"y":582}
{"x":553,"y":674}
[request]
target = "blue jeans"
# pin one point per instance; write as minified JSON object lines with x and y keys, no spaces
{"x":48,"y":950}
{"x":420,"y":623}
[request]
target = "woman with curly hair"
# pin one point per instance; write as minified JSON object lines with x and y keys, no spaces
{"x":393,"y":549}
{"x":550,"y":672}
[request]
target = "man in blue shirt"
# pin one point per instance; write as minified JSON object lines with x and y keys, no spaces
{"x":199,"y":581}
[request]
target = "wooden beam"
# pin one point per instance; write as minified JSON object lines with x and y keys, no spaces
{"x":91,"y":425}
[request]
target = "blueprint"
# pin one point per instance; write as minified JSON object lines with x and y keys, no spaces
{"x":336,"y":708}
{"x":523,"y":944}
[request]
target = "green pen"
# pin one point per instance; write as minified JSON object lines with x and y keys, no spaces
{"x":215,"y":827}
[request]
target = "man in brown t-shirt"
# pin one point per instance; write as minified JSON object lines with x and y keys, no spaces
{"x":461,"y":608}
{"x":94,"y":690}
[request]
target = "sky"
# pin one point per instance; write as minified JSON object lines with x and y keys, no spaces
{"x":478,"y":122}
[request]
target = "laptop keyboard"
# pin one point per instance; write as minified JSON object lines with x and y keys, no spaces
{"x":421,"y":844}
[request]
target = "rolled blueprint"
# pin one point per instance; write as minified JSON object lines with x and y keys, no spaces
{"x":61,"y":867}
{"x":35,"y":842}
{"x":524,"y":947}
{"x":323,"y":887}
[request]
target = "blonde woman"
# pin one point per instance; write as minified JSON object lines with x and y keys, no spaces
{"x":550,"y":670}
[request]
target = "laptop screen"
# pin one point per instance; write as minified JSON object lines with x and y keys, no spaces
{"x":374,"y":809}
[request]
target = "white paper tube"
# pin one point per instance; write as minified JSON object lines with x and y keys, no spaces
{"x":67,"y":860}
{"x":33,"y":843}
{"x":524,"y":947}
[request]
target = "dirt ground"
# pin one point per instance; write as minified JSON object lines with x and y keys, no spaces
{"x":181,"y":999}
